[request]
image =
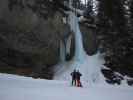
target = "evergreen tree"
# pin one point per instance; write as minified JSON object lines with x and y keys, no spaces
{"x":116,"y":41}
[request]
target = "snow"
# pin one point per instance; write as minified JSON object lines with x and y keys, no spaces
{"x":14,"y":87}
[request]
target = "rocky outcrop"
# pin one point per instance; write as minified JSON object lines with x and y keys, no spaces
{"x":90,"y":42}
{"x":31,"y":41}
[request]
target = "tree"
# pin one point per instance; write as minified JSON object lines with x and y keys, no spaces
{"x":114,"y":33}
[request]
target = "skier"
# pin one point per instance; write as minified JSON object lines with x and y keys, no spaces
{"x":73,"y":74}
{"x":78,"y":75}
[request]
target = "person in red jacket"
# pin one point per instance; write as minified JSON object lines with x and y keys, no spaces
{"x":78,"y":75}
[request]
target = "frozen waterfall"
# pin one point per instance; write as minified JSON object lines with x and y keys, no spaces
{"x":89,"y":66}
{"x":74,"y":25}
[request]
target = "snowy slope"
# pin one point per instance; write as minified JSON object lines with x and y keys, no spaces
{"x":23,"y":88}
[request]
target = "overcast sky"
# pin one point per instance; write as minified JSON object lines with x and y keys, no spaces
{"x":83,"y":1}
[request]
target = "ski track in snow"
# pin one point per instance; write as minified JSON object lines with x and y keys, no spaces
{"x":14,"y":87}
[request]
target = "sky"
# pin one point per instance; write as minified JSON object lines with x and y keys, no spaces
{"x":83,"y":1}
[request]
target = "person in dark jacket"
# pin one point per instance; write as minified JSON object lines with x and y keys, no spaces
{"x":78,"y":75}
{"x":73,"y":74}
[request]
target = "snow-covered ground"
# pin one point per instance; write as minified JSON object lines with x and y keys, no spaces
{"x":14,"y":87}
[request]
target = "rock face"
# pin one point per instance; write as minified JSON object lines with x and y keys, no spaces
{"x":90,"y":42}
{"x":29,"y":41}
